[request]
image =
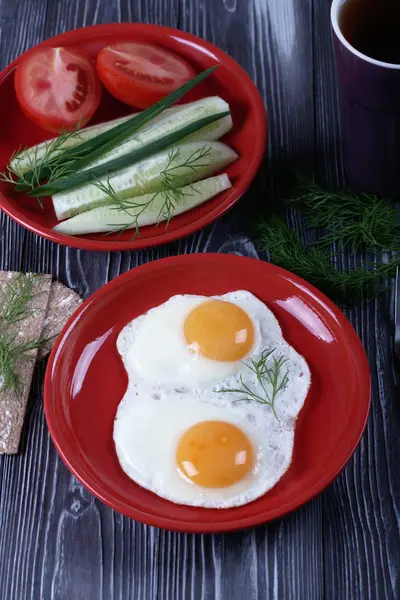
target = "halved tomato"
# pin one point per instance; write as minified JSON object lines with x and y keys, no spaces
{"x":57,"y":88}
{"x":141,"y":74}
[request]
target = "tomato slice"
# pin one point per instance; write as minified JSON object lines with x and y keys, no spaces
{"x":57,"y":88}
{"x":141,"y":74}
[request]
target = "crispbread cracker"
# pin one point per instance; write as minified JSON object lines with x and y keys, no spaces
{"x":63,"y":302}
{"x":12,"y":404}
{"x":51,"y":306}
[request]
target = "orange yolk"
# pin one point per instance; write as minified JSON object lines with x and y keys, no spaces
{"x":219,"y":330}
{"x":214,"y":454}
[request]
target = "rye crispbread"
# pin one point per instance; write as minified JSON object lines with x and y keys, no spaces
{"x":51,"y":306}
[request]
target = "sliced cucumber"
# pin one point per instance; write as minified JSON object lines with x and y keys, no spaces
{"x":147,"y":176}
{"x":105,"y":218}
{"x":212,"y":132}
{"x":168,"y":123}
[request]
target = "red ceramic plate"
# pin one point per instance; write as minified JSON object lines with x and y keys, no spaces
{"x":230,"y":81}
{"x":85,"y":381}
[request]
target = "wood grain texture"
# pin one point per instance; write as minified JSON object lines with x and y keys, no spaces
{"x":56,"y":541}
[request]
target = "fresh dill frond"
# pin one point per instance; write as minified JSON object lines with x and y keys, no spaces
{"x":9,"y":379}
{"x":128,"y":206}
{"x":15,"y":299}
{"x":11,"y":352}
{"x":173,"y":180}
{"x":173,"y":172}
{"x":53,"y":164}
{"x":315,"y":264}
{"x":170,"y":197}
{"x":10,"y":175}
{"x":50,"y":165}
{"x":271,"y":379}
{"x":354,"y":219}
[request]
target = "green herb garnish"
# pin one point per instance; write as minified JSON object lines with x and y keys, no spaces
{"x":172,"y":175}
{"x":53,"y":161}
{"x":10,"y":353}
{"x":316,"y":265}
{"x":354,"y":220}
{"x":15,"y":298}
{"x":271,"y":380}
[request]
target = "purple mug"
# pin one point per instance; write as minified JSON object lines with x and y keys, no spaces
{"x":369,"y":100}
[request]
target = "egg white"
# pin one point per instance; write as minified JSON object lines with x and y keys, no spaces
{"x":154,"y":413}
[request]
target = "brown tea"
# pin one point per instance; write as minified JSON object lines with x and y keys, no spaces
{"x":373,"y":28}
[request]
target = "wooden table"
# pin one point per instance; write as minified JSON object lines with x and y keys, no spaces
{"x":58,"y":542}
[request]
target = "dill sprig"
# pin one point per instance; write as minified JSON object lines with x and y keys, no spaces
{"x":172,"y":174}
{"x":11,"y":352}
{"x":271,"y":379}
{"x":354,"y":219}
{"x":316,"y":266}
{"x":50,"y":164}
{"x":15,"y":298}
{"x":173,"y":179}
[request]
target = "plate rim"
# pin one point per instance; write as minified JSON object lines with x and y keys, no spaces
{"x":12,"y":210}
{"x":175,"y":524}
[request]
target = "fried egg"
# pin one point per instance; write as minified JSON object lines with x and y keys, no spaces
{"x":194,"y":341}
{"x":181,"y":430}
{"x":201,"y":454}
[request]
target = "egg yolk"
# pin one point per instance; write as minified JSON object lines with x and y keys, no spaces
{"x":214,"y":454}
{"x":219,"y":330}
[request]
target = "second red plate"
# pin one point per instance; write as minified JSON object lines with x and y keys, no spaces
{"x":85,"y":381}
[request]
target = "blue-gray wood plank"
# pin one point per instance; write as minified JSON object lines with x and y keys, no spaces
{"x":56,"y":541}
